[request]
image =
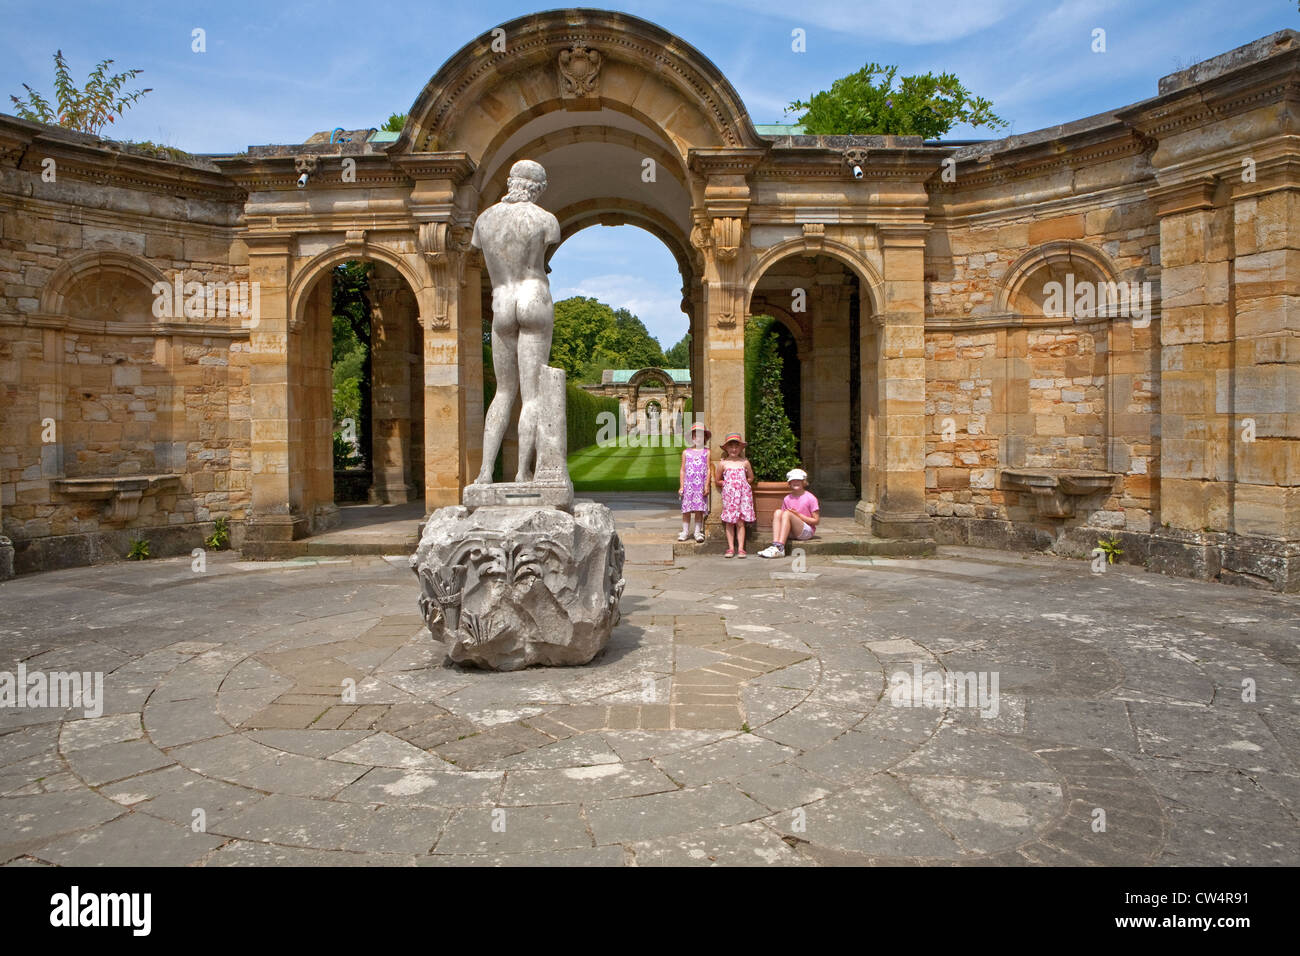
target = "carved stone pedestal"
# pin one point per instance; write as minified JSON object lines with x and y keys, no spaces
{"x":508,"y":587}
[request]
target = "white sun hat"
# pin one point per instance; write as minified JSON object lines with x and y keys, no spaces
{"x":796,"y":473}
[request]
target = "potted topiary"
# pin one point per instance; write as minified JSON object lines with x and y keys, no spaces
{"x":773,"y":449}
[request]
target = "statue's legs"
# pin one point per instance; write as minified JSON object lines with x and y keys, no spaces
{"x":535,"y":316}
{"x":505,"y":364}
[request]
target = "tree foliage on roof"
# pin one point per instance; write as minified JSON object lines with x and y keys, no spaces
{"x":868,"y":103}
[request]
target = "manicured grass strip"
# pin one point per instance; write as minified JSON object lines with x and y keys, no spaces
{"x":623,"y":468}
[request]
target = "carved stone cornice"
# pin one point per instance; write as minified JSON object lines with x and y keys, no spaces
{"x":453,"y":165}
{"x":274,"y":173}
{"x":83,"y":158}
{"x":1045,"y":158}
{"x":725,"y":161}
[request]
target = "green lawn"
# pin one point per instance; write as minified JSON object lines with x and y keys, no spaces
{"x":625,"y":469}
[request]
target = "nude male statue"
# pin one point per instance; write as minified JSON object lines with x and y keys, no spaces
{"x":514,"y":235}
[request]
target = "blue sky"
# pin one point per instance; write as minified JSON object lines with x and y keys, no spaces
{"x":277,"y":72}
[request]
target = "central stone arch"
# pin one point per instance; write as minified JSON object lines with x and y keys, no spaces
{"x":628,"y":121}
{"x":575,"y":60}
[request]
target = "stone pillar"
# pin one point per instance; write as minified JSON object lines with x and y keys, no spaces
{"x":1195,"y":347}
{"x":828,"y":457}
{"x":6,"y":545}
{"x":311,"y":410}
{"x":390,"y":390}
{"x":450,"y":318}
{"x":272,"y":516}
{"x":868,"y":409}
{"x":1263,"y":384}
{"x":900,"y":379}
{"x":453,"y":377}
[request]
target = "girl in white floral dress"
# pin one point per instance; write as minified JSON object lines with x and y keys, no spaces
{"x":736,"y":479}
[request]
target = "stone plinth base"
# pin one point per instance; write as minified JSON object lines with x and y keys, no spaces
{"x":1209,"y":556}
{"x":535,"y":494}
{"x":900,"y":525}
{"x":506,"y":587}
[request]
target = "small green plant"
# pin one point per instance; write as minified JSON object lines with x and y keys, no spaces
{"x":1111,"y":547}
{"x":220,"y":536}
{"x":139,"y":549}
{"x":745,"y":728}
{"x":345,"y":455}
{"x":85,"y":110}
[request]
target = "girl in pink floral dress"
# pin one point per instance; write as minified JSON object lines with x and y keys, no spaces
{"x":693,"y":483}
{"x":736,"y":479}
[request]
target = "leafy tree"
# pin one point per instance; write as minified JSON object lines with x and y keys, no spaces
{"x":773,"y":449}
{"x":867,"y":102}
{"x":84,"y":110}
{"x":394,"y":123}
{"x":679,"y":356}
{"x":626,"y":344}
{"x":579,"y":322}
{"x":351,"y":348}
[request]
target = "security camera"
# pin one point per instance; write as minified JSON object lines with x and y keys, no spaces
{"x":857,"y":171}
{"x":302,"y":181}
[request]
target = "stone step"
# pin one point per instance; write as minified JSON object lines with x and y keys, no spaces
{"x":861,"y":545}
{"x":308,"y":547}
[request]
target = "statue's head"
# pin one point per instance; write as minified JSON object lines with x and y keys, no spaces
{"x":526,"y":182}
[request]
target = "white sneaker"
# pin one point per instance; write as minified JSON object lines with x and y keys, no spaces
{"x":683,"y":536}
{"x":772,"y":551}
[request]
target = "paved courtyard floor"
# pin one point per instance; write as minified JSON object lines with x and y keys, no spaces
{"x":744,"y":713}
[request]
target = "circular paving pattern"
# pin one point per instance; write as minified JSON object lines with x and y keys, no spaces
{"x":973,"y":708}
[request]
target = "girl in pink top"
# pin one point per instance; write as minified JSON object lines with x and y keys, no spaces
{"x":796,"y":518}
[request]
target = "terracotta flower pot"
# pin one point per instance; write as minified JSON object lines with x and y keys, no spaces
{"x":768,"y":496}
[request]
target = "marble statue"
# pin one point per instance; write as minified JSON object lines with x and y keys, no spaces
{"x":514,"y":236}
{"x":519,"y":573}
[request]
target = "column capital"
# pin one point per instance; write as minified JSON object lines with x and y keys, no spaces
{"x":1187,"y":195}
{"x":903,"y":235}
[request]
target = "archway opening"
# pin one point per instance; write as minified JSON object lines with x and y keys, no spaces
{"x":618,"y":318}
{"x":356,"y":417}
{"x":814,"y":303}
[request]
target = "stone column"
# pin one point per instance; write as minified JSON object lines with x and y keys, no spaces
{"x":453,"y":376}
{"x":271,"y":517}
{"x":444,"y":205}
{"x":390,"y":390}
{"x":829,"y":372}
{"x":1263,"y":384}
{"x":900,"y":378}
{"x":6,"y":545}
{"x":1195,"y":346}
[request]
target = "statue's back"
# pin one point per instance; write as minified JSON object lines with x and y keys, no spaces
{"x":514,"y":238}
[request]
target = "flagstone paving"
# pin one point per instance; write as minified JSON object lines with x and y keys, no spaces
{"x":745,"y":713}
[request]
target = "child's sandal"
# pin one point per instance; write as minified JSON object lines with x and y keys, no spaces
{"x":699,"y":537}
{"x":729,"y":553}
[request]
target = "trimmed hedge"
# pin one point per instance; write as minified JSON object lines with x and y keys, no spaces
{"x":581,"y":410}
